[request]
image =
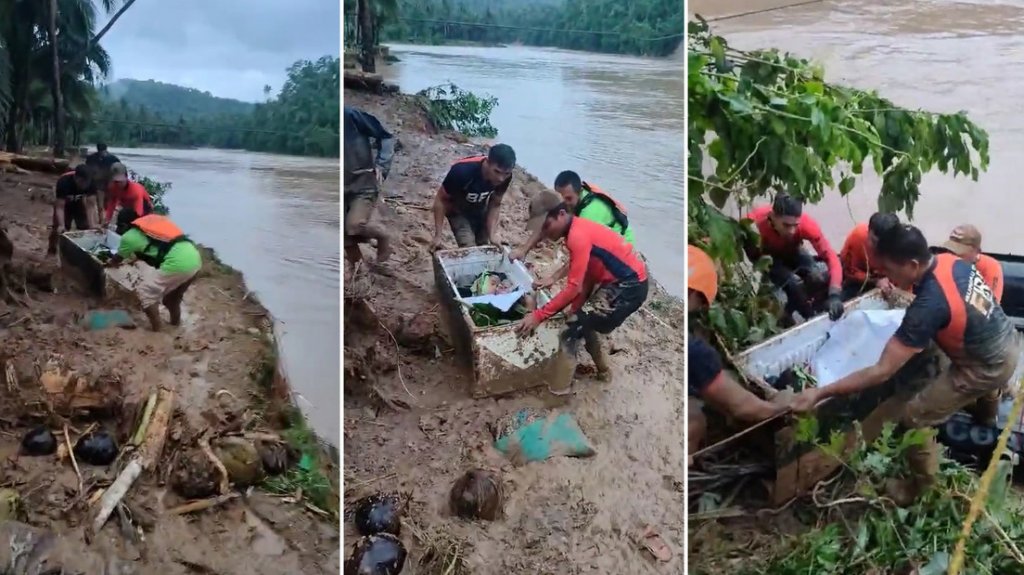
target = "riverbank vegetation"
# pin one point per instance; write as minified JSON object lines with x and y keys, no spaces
{"x":762,"y":122}
{"x":645,"y":27}
{"x":52,"y":66}
{"x":303,"y":119}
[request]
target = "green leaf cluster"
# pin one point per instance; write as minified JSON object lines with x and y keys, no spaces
{"x":451,"y":108}
{"x":763,"y":122}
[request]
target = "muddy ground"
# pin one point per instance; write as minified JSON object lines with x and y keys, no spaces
{"x":212,"y":363}
{"x":563,"y":515}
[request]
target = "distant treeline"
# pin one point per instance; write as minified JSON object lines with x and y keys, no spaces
{"x":303,"y":119}
{"x":642,"y":27}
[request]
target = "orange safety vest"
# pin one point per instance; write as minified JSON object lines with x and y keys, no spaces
{"x":162,"y":233}
{"x":951,"y":337}
{"x":618,"y":210}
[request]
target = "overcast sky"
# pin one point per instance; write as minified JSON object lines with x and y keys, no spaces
{"x":231,"y":48}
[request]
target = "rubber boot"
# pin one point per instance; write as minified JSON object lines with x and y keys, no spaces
{"x":153,"y":313}
{"x":563,"y":369}
{"x":593,"y":344}
{"x":383,"y":248}
{"x":174,"y":308}
{"x":923,"y":461}
{"x":985,"y":410}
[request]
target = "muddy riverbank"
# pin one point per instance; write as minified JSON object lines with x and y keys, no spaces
{"x":220,"y":365}
{"x":410,"y":427}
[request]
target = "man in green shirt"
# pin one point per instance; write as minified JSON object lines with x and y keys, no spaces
{"x":157,"y":241}
{"x":588,"y":202}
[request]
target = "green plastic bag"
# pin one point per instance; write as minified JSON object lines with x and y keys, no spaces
{"x":102,"y":319}
{"x":530,"y":435}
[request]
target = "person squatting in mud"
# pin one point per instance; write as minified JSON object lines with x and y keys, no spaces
{"x":364,"y":175}
{"x":75,"y":203}
{"x":470,"y":198}
{"x":783,"y":227}
{"x":954,"y":311}
{"x":605,"y":272}
{"x":174,"y":259}
{"x":124,"y":193}
{"x":706,"y":378}
{"x":588,"y":202}
{"x":861,"y":268}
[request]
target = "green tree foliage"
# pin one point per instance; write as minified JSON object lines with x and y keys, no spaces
{"x":452,"y":108}
{"x":764,"y":121}
{"x":26,"y":66}
{"x":643,"y":27}
{"x":304,"y":118}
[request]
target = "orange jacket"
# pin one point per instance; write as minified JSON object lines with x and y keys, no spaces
{"x":857,"y":257}
{"x":992,"y":271}
{"x":133,"y":196}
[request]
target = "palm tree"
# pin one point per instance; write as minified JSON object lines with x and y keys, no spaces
{"x":58,"y":100}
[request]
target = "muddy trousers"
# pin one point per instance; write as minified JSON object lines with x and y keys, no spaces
{"x":799,"y":278}
{"x":971,"y":387}
{"x":359,"y":208}
{"x":609,"y":307}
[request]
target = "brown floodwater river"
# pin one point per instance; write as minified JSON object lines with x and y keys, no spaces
{"x":276,"y":220}
{"x":939,"y":55}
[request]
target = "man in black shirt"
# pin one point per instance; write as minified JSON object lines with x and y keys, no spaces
{"x":100,"y":162}
{"x":75,"y":203}
{"x":470,"y":197}
{"x":706,"y":378}
{"x":364,"y":174}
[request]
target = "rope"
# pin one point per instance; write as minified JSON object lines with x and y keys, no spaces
{"x":978,"y":501}
{"x":762,"y":11}
{"x":534,"y":29}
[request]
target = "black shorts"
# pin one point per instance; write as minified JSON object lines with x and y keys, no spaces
{"x":469,"y":230}
{"x":74,"y":215}
{"x":611,"y":305}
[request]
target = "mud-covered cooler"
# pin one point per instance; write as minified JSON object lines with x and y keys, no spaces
{"x":494,"y":358}
{"x":78,"y":253}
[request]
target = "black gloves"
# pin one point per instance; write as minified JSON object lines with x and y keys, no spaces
{"x":835,"y":305}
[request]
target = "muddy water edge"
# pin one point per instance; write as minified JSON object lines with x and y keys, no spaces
{"x":410,"y":426}
{"x":220,"y":365}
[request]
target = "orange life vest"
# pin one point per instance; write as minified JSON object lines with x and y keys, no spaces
{"x":162,"y":233}
{"x":951,"y":338}
{"x":618,"y":210}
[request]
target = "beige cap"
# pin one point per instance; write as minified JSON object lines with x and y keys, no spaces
{"x":540,"y":205}
{"x":118,"y":173}
{"x":963,"y":239}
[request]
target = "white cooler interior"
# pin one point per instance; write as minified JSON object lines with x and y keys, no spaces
{"x":464,"y":268}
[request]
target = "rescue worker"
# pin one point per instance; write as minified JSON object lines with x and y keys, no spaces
{"x":75,"y":203}
{"x":861,"y":270}
{"x":470,"y":197}
{"x":954,"y":308}
{"x":706,"y":379}
{"x":604,"y":271}
{"x":124,"y":193}
{"x":586,"y":201}
{"x":100,"y":163}
{"x":783,"y":227}
{"x":364,"y":175}
{"x":159,"y":242}
{"x":965,"y":241}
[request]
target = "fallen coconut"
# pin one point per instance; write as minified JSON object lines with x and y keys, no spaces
{"x":381,"y":554}
{"x":276,"y":456}
{"x":39,"y":441}
{"x":194,"y":476}
{"x":478,"y":494}
{"x":98,"y":448}
{"x":379,"y":513}
{"x":241,"y":460}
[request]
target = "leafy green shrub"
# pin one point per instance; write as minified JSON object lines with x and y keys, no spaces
{"x":452,"y":108}
{"x":156,"y":191}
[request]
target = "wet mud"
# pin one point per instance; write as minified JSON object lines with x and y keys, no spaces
{"x":410,"y":425}
{"x":79,"y":383}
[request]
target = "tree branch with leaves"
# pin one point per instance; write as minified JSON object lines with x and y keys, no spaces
{"x":763,"y":121}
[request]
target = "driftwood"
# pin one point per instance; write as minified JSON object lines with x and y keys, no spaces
{"x":145,"y":458}
{"x":36,"y":164}
{"x":193,"y":506}
{"x":358,"y":80}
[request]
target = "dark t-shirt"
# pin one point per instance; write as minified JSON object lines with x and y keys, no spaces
{"x":94,"y":160}
{"x":987,"y":331}
{"x":703,"y":365}
{"x":68,"y":191}
{"x":468,"y":189}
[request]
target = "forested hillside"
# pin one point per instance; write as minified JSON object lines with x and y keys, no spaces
{"x":302,"y":119}
{"x":643,"y":27}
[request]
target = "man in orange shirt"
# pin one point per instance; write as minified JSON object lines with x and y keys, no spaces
{"x":783,"y":227}
{"x":861,"y":270}
{"x":124,"y":193}
{"x":965,"y":241}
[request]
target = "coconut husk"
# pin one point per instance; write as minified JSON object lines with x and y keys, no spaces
{"x":241,"y":460}
{"x":478,"y":494}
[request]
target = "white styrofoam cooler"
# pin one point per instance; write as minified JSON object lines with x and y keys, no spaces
{"x":497,"y":360}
